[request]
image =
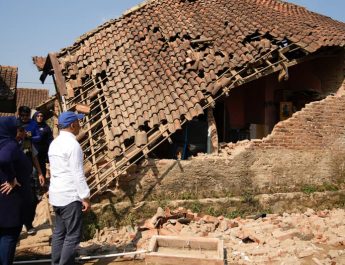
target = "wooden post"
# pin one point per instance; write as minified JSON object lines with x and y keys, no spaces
{"x":212,"y":135}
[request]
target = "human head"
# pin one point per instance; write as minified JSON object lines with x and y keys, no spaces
{"x":21,"y":134}
{"x":8,"y":127}
{"x":39,"y":117}
{"x":69,"y":121}
{"x":24,"y":113}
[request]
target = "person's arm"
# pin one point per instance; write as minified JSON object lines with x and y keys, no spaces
{"x":35,"y":132}
{"x":10,"y":173}
{"x":8,"y":186}
{"x":36,"y":164}
{"x":76,"y":162}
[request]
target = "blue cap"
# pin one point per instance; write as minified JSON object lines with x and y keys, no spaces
{"x":68,"y":117}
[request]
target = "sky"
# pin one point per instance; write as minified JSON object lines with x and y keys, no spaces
{"x":36,"y":27}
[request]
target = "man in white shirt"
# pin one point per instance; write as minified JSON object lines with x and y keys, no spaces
{"x":68,"y":190}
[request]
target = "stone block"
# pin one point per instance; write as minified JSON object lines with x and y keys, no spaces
{"x":284,"y":235}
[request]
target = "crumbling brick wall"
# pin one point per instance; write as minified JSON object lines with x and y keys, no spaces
{"x":307,"y":149}
{"x":314,"y":128}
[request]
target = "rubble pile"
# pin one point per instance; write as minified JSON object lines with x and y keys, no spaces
{"x":312,"y":237}
{"x":234,"y":148}
{"x":297,"y":238}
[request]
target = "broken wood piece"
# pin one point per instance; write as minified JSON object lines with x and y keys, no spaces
{"x":82,"y":108}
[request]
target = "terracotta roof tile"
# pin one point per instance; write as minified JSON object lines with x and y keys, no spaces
{"x":31,"y":97}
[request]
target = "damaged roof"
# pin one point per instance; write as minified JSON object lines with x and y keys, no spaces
{"x":160,"y":62}
{"x":162,"y":58}
{"x":8,"y":82}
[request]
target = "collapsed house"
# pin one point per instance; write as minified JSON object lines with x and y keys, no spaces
{"x":196,"y":73}
{"x":11,"y":97}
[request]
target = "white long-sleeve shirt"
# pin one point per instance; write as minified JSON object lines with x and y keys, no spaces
{"x":67,"y":179}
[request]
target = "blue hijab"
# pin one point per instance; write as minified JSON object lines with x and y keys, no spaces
{"x":8,"y":129}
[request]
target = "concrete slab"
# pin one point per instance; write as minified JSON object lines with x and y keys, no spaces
{"x":185,"y":250}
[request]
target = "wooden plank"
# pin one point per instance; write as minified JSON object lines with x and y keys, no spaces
{"x":59,"y":78}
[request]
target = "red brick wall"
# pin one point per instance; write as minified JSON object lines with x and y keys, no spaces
{"x":320,"y":123}
{"x":314,"y":127}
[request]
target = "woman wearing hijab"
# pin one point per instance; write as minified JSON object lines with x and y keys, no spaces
{"x":43,"y":141}
{"x":15,"y":170}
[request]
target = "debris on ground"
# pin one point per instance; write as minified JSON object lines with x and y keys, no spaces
{"x":312,"y":237}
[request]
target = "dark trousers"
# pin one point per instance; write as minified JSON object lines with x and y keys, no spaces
{"x":42,"y":158}
{"x":8,"y":242}
{"x":67,"y":233}
{"x":31,"y":210}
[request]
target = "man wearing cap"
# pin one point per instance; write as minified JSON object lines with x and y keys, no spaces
{"x":68,"y":190}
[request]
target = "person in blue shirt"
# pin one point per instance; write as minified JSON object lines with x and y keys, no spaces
{"x":15,"y":192}
{"x":26,"y":140}
{"x":30,"y":126}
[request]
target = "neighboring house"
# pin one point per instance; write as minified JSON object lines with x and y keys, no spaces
{"x":8,"y":86}
{"x":11,"y":97}
{"x":198,"y":73}
{"x":31,"y":97}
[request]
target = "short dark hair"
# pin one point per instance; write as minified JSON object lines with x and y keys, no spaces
{"x":24,"y":109}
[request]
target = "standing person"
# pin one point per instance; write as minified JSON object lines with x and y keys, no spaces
{"x":31,"y":133}
{"x":42,"y":143}
{"x":30,"y":126}
{"x":68,"y":190}
{"x":15,"y":170}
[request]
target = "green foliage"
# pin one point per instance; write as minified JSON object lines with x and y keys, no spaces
{"x":248,"y":198}
{"x":330,"y":187}
{"x":188,"y":196}
{"x":212,"y":211}
{"x":90,"y":225}
{"x":234,"y":214}
{"x":195,"y":206}
{"x":309,"y":189}
{"x":108,"y":217}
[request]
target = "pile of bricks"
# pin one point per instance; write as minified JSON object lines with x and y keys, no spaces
{"x":316,"y":237}
{"x":312,"y":237}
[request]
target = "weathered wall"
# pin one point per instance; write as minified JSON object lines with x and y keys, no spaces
{"x":307,"y":150}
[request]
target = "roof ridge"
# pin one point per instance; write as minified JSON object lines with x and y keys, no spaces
{"x":105,"y":25}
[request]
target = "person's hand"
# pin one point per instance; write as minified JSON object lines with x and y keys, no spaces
{"x":7,"y":187}
{"x":86,"y":205}
{"x":28,"y":134}
{"x":42,"y":180}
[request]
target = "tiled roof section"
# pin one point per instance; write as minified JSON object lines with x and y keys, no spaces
{"x":39,"y":61}
{"x":8,"y":82}
{"x":162,"y":59}
{"x":31,"y":97}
